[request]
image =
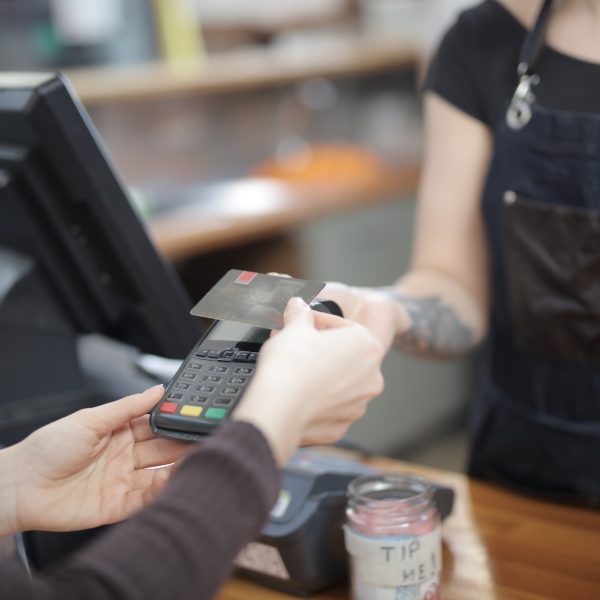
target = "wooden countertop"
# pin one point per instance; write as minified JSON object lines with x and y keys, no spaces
{"x":252,"y":209}
{"x":239,"y":70}
{"x":497,"y":546}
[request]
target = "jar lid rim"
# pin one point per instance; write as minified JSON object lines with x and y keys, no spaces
{"x":365,"y":486}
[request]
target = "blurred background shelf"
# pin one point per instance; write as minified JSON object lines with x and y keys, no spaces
{"x":239,"y":212}
{"x":240,"y":70}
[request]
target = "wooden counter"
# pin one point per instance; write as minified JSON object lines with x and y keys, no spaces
{"x":253,"y":209}
{"x":497,"y":546}
{"x":239,"y":70}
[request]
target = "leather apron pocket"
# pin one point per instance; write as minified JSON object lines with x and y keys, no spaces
{"x":553,"y":274}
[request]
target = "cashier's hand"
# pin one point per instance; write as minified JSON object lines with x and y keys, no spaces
{"x":313,"y":380}
{"x":370,"y":307}
{"x":87,"y":469}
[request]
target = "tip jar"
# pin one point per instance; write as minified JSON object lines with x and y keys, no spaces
{"x":393,"y":538}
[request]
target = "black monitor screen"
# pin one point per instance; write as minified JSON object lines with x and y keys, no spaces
{"x":63,"y":208}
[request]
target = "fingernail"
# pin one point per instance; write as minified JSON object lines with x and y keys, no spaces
{"x":296,"y":301}
{"x":154,"y":388}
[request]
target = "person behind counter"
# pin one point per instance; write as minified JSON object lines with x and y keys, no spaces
{"x":313,"y":379}
{"x":507,"y":242}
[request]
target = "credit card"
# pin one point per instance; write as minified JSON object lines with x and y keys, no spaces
{"x":254,"y":298}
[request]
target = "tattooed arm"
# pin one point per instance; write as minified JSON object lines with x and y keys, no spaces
{"x":443,"y":299}
{"x":439,"y":308}
{"x":425,"y":313}
{"x":433,"y":327}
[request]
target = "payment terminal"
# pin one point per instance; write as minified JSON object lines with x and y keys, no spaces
{"x":212,"y":379}
{"x":301,"y":549}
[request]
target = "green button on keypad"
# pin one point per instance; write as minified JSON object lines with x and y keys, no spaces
{"x":215,"y":413}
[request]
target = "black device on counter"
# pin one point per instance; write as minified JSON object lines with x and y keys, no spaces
{"x":75,"y":258}
{"x":212,"y":379}
{"x":301,"y":548}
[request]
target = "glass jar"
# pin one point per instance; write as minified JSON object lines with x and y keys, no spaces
{"x":393,"y":538}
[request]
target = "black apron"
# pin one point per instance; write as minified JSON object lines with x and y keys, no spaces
{"x":536,"y":422}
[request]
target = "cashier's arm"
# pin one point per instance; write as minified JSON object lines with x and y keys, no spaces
{"x":439,"y":307}
{"x":443,"y":299}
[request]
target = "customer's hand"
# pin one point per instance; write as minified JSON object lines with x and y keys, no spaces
{"x":314,"y":378}
{"x":370,"y":307}
{"x":87,"y":469}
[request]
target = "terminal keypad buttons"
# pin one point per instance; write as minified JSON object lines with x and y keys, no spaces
{"x":207,"y":401}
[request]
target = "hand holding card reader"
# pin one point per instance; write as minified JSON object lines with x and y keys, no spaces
{"x":212,"y":379}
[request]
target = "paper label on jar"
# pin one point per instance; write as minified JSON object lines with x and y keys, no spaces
{"x":426,"y":591}
{"x":395,"y":561}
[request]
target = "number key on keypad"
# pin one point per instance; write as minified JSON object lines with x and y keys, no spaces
{"x":230,"y":390}
{"x":213,"y":378}
{"x":223,"y":401}
{"x":199,"y":399}
{"x":243,"y":371}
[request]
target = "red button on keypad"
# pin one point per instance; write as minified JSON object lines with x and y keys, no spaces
{"x":169,"y":407}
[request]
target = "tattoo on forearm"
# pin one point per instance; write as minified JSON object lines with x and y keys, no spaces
{"x":435,"y":328}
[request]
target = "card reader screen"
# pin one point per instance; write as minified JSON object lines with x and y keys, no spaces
{"x":238,"y":332}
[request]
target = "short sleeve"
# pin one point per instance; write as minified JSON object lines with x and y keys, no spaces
{"x":454,"y":73}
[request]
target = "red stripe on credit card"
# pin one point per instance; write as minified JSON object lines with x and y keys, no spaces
{"x":246,"y":277}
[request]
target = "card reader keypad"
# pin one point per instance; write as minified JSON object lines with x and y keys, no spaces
{"x":206,"y":391}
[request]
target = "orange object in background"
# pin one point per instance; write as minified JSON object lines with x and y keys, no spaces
{"x":325,"y":163}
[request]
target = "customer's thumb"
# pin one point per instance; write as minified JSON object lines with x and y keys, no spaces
{"x":297,"y":314}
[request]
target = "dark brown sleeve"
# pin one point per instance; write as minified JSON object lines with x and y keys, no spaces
{"x":181,"y":547}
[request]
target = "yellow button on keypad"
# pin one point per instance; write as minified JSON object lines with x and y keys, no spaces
{"x":191,"y":411}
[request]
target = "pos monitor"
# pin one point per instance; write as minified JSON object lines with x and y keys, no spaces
{"x":74,"y":256}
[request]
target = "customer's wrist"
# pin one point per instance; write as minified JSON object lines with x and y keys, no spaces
{"x":281,"y":446}
{"x":272,"y":418}
{"x":9,"y":480}
{"x":282,"y":439}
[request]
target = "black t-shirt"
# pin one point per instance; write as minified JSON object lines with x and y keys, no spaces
{"x":476,"y":64}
